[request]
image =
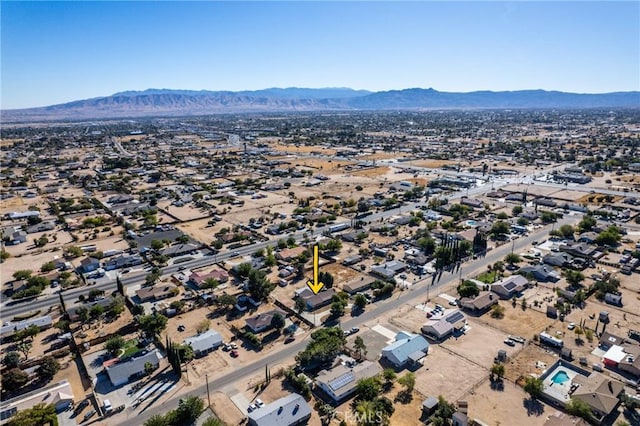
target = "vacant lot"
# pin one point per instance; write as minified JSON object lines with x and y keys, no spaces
{"x":225,"y":409}
{"x":447,"y":374}
{"x":505,"y":407}
{"x":532,"y":359}
{"x":480,"y":344}
{"x":518,"y":322}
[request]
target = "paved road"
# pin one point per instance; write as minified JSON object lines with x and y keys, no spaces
{"x":43,"y":303}
{"x":417,"y":293}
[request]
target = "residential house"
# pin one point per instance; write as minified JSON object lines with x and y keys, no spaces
{"x":10,"y":328}
{"x":41,"y":227}
{"x":631,"y":361}
{"x":89,"y":264}
{"x":509,"y":286}
{"x":262,"y":322}
{"x":444,"y":326}
{"x":18,"y":237}
{"x":587,"y":237}
{"x":315,"y":301}
{"x":122,"y":262}
{"x":290,"y":410}
{"x":198,"y":278}
{"x":204,"y":343}
{"x":358,"y":285}
{"x":157,"y":292}
{"x":389,"y":269}
{"x":179,"y":250}
{"x":581,"y":250}
{"x":59,"y":394}
{"x":541,"y":273}
{"x":599,"y":392}
{"x":472,"y":202}
{"x":407,"y":349}
{"x":287,"y":255}
{"x":340,"y":382}
{"x":122,"y":371}
{"x":479,"y":304}
{"x":561,"y":259}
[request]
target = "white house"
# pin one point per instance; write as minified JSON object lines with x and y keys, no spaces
{"x":205,"y":342}
{"x":121,"y":372}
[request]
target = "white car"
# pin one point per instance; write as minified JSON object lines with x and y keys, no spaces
{"x":571,"y":325}
{"x":259,"y":402}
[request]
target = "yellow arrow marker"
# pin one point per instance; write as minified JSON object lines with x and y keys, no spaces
{"x":315,"y":286}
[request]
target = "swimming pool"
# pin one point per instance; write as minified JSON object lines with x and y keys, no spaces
{"x":471,"y":223}
{"x":560,"y":377}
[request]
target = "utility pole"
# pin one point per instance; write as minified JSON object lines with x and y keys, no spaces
{"x":206,"y":376}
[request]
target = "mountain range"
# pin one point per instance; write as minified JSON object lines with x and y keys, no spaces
{"x":167,"y":102}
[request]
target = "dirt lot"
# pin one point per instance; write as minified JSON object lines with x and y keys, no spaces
{"x":225,"y":409}
{"x":480,"y":344}
{"x":525,"y":362}
{"x":100,"y":328}
{"x":186,"y":212}
{"x":442,"y":375}
{"x":200,"y":230}
{"x":57,"y":238}
{"x":31,"y":261}
{"x":372,"y":172}
{"x":518,"y":322}
{"x":505,"y":407}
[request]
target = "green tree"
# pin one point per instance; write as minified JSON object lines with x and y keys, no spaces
{"x":499,"y":228}
{"x":359,"y":346}
{"x":116,"y":306}
{"x":23,"y":274}
{"x":368,"y":388}
{"x":579,"y":408}
{"x":209,"y":283}
{"x":574,"y":278}
{"x":326,"y":343}
{"x":443,"y":414}
{"x":389,"y":376}
{"x":14,"y":379}
{"x":96,"y":311}
{"x":587,"y":223}
{"x":11,"y":359}
{"x":189,"y":409}
{"x":468,"y":289}
{"x":497,"y":370}
{"x":337,"y":309}
{"x":156,"y":420}
{"x":367,"y":412}
{"x":408,"y":380}
{"x":148,"y":368}
{"x":516,"y":210}
{"x":114,"y":344}
{"x":47,"y":267}
{"x":153,"y":324}
{"x":300,"y":305}
{"x":38,"y":415}
{"x":512,"y":258}
{"x":566,"y":231}
{"x":259,"y":286}
{"x":360,"y":301}
{"x":533,"y":386}
{"x":83,"y":314}
{"x":48,"y":368}
{"x":326,"y":278}
{"x":497,"y":312}
{"x":226,"y":300}
{"x":277,"y":322}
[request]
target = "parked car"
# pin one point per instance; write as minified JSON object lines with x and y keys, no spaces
{"x":251,"y":407}
{"x":354,"y":330}
{"x":509,"y":342}
{"x":289,"y":339}
{"x":181,"y":327}
{"x":234,"y":353}
{"x":89,"y":414}
{"x":571,"y":325}
{"x":259,"y":402}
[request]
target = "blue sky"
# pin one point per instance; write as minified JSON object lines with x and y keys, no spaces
{"x":54,"y":52}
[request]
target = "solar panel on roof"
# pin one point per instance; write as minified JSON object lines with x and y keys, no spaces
{"x":455,"y":317}
{"x":509,"y":285}
{"x":340,"y":381}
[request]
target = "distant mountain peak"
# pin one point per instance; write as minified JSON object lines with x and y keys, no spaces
{"x":172,"y":102}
